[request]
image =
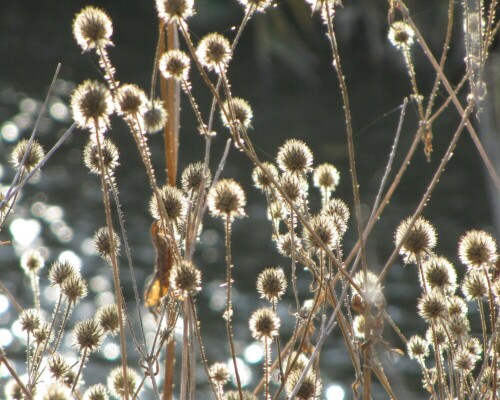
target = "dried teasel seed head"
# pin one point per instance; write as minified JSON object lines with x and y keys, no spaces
{"x":155,"y":116}
{"x":432,"y":307}
{"x":30,"y":320}
{"x":418,"y":348}
{"x":214,"y":52}
{"x":255,"y":5}
{"x":286,"y":246}
{"x":116,"y":382}
{"x":401,"y":35}
{"x":219,"y":373}
{"x":337,"y":207}
{"x":174,"y":201}
{"x":109,"y":156}
{"x":185,"y":278}
{"x":109,"y":319}
{"x":174,"y":10}
{"x":13,"y":390}
{"x":294,"y":156}
{"x":60,"y":271}
{"x":31,"y":262}
{"x":324,"y":228}
{"x":35,"y":155}
{"x":477,"y":248}
{"x":475,"y":285}
{"x":131,"y":100}
{"x":458,"y":326}
{"x":264,"y":324}
{"x":74,"y":288}
{"x":456,"y":306}
{"x":309,"y":389}
{"x":420,"y":240}
{"x":464,"y":361}
{"x":58,"y":366}
{"x":239,"y":113}
{"x":226,"y":199}
{"x":174,"y":64}
{"x":96,"y":392}
{"x":194,"y":176}
{"x":440,"y":274}
{"x":271,"y":284}
{"x":473,"y":346}
{"x":105,"y":245}
{"x":294,"y":186}
{"x":326,"y":177}
{"x":56,"y":391}
{"x":91,"y":103}
{"x":438,"y":335}
{"x":92,"y":28}
{"x":88,"y":335}
{"x":43,"y":333}
{"x":261,"y":180}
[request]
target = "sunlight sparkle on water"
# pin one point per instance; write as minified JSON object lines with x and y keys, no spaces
{"x":243,"y":370}
{"x":25,"y":231}
{"x":59,"y":111}
{"x":4,"y":303}
{"x":254,"y":353}
{"x":111,"y":351}
{"x":5,"y":337}
{"x":334,"y":392}
{"x":71,"y":257}
{"x":9,"y":131}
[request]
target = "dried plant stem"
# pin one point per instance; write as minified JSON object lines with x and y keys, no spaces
{"x":13,"y":374}
{"x":80,"y":369}
{"x":69,"y":308}
{"x":11,"y":297}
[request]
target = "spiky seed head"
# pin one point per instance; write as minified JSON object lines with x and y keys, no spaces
{"x":420,"y":241}
{"x":88,"y":335}
{"x":192,"y":178}
{"x":91,"y":102}
{"x":131,"y":100}
{"x":285,"y":245}
{"x":255,"y":5}
{"x":337,"y":207}
{"x":116,"y":382}
{"x":294,"y":156}
{"x":264,"y":324}
{"x":401,"y":35}
{"x":109,"y":156}
{"x":464,"y":361}
{"x":96,"y":392}
{"x":418,"y":348}
{"x":309,"y":389}
{"x":261,"y":180}
{"x":108,"y":318}
{"x":276,"y":211}
{"x":440,"y":274}
{"x":477,"y":248}
{"x":30,"y":320}
{"x":226,"y":199}
{"x":458,"y":326}
{"x":32,"y":261}
{"x":92,"y":28}
{"x":324,"y":228}
{"x":326,"y":177}
{"x":475,"y":285}
{"x":473,"y":346}
{"x":74,"y":288}
{"x":174,"y":201}
{"x":60,"y":271}
{"x":456,"y":306}
{"x":294,"y":186}
{"x":219,"y":373}
{"x":271,"y":284}
{"x":432,"y":306}
{"x":56,"y":391}
{"x":235,"y":395}
{"x":58,"y":366}
{"x":174,"y":64}
{"x":69,"y":378}
{"x":239,"y":113}
{"x":440,"y":336}
{"x":43,"y":333}
{"x":102,"y":243}
{"x":214,"y":52}
{"x":185,"y":278}
{"x":155,"y":116}
{"x":490,"y":379}
{"x":174,"y":10}
{"x":13,"y":390}
{"x":301,"y":361}
{"x":35,"y":155}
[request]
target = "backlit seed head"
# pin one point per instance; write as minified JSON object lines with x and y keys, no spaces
{"x":271,"y":284}
{"x":458,"y":326}
{"x":401,"y":35}
{"x":473,"y":346}
{"x":464,"y":361}
{"x":174,"y":201}
{"x":477,"y":248}
{"x":432,"y":306}
{"x":155,"y":116}
{"x":92,"y":28}
{"x":441,"y":338}
{"x":174,"y":10}
{"x":30,"y":320}
{"x":276,"y":211}
{"x":32,"y":261}
{"x":255,"y":5}
{"x":109,"y":156}
{"x":226,"y":199}
{"x":96,"y":392}
{"x":58,"y":366}
{"x":323,"y":227}
{"x":235,"y":395}
{"x":88,"y":335}
{"x":185,"y":278}
{"x":440,"y":275}
{"x":55,"y":391}
{"x":261,"y":180}
{"x":238,"y":111}
{"x":43,"y":333}
{"x":108,"y":318}
{"x":13,"y":391}
{"x":300,"y":363}
{"x":359,"y":326}
{"x":294,"y":156}
{"x":60,"y":271}
{"x":284,"y":244}
{"x":74,"y":288}
{"x":418,"y":348}
{"x":214,"y":52}
{"x":35,"y":155}
{"x":326,"y":177}
{"x":490,"y":379}
{"x":192,"y":178}
{"x":174,"y":64}
{"x":102,"y":243}
{"x":219,"y":373}
{"x":264,"y":324}
{"x":91,"y":102}
{"x":475,"y":285}
{"x":456,"y":306}
{"x":294,"y":186}
{"x":420,"y":240}
{"x":336,"y":207}
{"x":116,"y":382}
{"x":309,"y":389}
{"x":131,"y":100}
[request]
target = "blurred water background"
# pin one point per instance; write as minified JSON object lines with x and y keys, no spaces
{"x":282,"y":67}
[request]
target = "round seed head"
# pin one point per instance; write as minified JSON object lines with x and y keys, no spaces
{"x":473,"y":346}
{"x":432,"y":307}
{"x":131,"y":100}
{"x":477,"y":248}
{"x":441,"y":337}
{"x":43,"y":333}
{"x":116,"y":382}
{"x":294,"y":156}
{"x":458,"y":326}
{"x":74,"y":288}
{"x":337,"y":207}
{"x":475,"y":285}
{"x":91,"y":102}
{"x":271,"y":284}
{"x":264,"y":324}
{"x":102,"y":243}
{"x":30,"y":320}
{"x":294,"y":186}
{"x":13,"y":391}
{"x":255,"y":5}
{"x":109,"y":156}
{"x":239,"y":113}
{"x":226,"y":199}
{"x":286,"y":245}
{"x":490,"y":380}
{"x":440,"y":275}
{"x":174,"y":201}
{"x":175,"y":64}
{"x":31,"y":262}
{"x":35,"y":155}
{"x":309,"y":389}
{"x":323,"y":227}
{"x":56,"y":391}
{"x":185,"y":279}
{"x":464,"y":361}
{"x":276,"y":211}
{"x":456,"y":306}
{"x":109,"y":319}
{"x":300,"y":362}
{"x":219,"y":373}
{"x":92,"y":29}
{"x":155,"y":116}
{"x":261,"y":180}
{"x":174,"y":10}
{"x":420,"y":241}
{"x":214,"y":52}
{"x":58,"y":366}
{"x":418,"y":348}
{"x":401,"y":35}
{"x":88,"y":335}
{"x":96,"y":392}
{"x":60,"y":271}
{"x":192,"y":178}
{"x":326,"y":177}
